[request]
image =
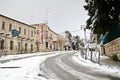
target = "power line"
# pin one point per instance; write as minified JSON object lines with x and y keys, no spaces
{"x":75,"y":31}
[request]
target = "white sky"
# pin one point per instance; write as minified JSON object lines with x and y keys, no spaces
{"x":61,"y":14}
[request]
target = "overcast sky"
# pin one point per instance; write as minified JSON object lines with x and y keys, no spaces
{"x":61,"y":15}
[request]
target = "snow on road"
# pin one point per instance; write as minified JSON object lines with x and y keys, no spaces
{"x":29,"y":68}
{"x":79,"y":75}
{"x":105,"y":69}
{"x":4,"y":57}
{"x":24,"y":69}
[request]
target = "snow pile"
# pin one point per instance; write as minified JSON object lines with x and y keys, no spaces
{"x":24,"y":69}
{"x":95,"y":55}
{"x":4,"y":57}
{"x":110,"y":70}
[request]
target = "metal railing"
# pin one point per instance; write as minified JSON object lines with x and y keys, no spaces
{"x":92,"y":54}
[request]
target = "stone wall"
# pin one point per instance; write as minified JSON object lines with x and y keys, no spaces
{"x":113,"y":47}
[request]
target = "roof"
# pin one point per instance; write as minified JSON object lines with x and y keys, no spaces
{"x":16,"y":21}
{"x":45,"y":25}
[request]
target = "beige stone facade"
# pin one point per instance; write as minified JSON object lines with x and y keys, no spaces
{"x":47,"y":39}
{"x":11,"y":44}
{"x":113,"y":47}
{"x":17,"y":37}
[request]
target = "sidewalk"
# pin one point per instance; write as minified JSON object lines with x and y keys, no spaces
{"x":104,"y":60}
{"x":107,"y":61}
{"x":7,"y":58}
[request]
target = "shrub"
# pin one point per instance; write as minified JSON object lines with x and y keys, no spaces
{"x":115,"y":57}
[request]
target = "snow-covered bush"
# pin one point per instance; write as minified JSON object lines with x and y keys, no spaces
{"x":115,"y":57}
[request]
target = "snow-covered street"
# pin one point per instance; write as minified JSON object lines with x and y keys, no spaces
{"x":23,"y":69}
{"x":55,"y":66}
{"x":71,"y":66}
{"x":104,"y":69}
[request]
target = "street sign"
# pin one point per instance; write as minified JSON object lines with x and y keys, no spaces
{"x":15,"y":32}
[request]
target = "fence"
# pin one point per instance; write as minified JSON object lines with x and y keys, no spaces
{"x":92,"y":54}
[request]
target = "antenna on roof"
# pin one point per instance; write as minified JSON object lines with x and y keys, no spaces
{"x":47,"y":14}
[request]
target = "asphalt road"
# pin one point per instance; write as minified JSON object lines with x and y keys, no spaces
{"x":62,"y":67}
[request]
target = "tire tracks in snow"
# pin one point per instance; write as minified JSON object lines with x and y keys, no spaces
{"x":77,"y":74}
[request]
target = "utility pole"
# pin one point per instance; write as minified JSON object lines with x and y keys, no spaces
{"x":85,"y":40}
{"x":84,"y":28}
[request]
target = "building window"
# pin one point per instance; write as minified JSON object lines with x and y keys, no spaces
{"x":19,"y":29}
{"x":51,"y":36}
{"x":24,"y":31}
{"x":2,"y":44}
{"x":3,"y":25}
{"x":50,"y":45}
{"x":31,"y":33}
{"x":10,"y":27}
{"x":37,"y":31}
{"x":31,"y":47}
{"x":46,"y":44}
{"x":11,"y":45}
{"x":18,"y":46}
{"x":25,"y":46}
{"x":34,"y":31}
{"x":46,"y":34}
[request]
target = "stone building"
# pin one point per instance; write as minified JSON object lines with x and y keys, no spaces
{"x":16,"y":37}
{"x":47,"y":40}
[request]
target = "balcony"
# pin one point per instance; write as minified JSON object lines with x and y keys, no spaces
{"x":54,"y":40}
{"x":1,"y":33}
